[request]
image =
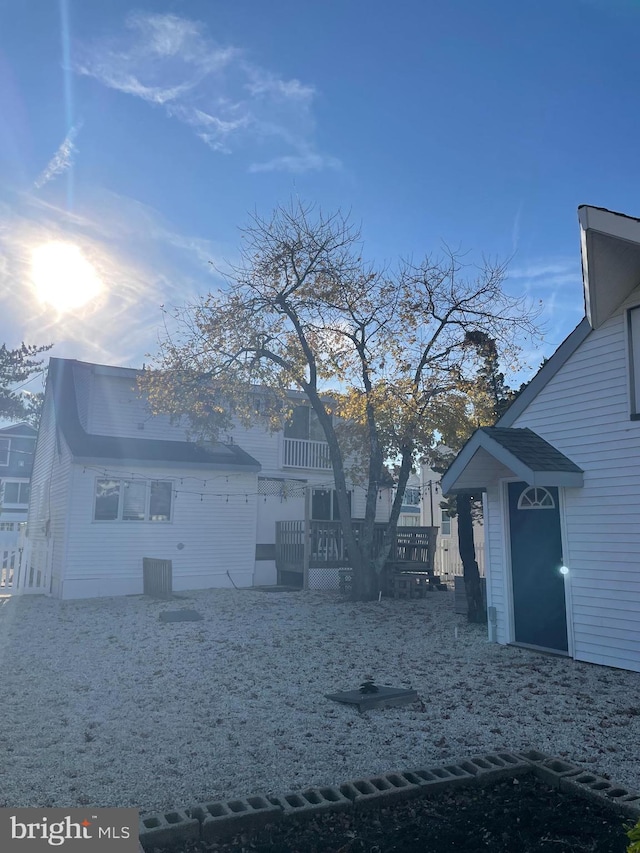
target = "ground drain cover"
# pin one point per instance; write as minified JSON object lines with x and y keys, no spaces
{"x":180,"y":616}
{"x":384,"y":697}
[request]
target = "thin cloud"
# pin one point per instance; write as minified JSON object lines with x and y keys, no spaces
{"x":231,"y":103}
{"x":545,"y":269}
{"x":308,"y":162}
{"x":61,"y":160}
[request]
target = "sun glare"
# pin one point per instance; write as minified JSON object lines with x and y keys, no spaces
{"x":62,"y":277}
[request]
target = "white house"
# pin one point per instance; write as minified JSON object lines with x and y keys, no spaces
{"x":113,"y":485}
{"x":561,"y":474}
{"x":17,"y":443}
{"x":447,"y":554}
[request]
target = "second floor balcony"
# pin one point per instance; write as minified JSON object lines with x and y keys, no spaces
{"x":305,"y":453}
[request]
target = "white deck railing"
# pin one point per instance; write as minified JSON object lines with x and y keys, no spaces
{"x":301,"y":453}
{"x":447,"y":558}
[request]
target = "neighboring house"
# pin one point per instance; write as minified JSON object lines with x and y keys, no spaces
{"x":113,"y":484}
{"x":561,"y":474}
{"x":17,"y":445}
{"x":447,"y":556}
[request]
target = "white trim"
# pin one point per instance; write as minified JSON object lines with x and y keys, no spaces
{"x":509,"y":612}
{"x":487,"y":563}
{"x":566,"y":559}
{"x":632,"y":397}
{"x":506,"y":550}
{"x":147,"y":502}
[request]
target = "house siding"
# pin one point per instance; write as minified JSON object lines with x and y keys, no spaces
{"x":117,"y":409}
{"x":49,"y":499}
{"x":216,"y":525}
{"x":584,"y":412}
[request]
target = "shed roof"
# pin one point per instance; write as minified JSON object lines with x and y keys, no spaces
{"x":495,"y":452}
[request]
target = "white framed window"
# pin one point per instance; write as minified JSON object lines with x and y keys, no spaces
{"x":7,"y":526}
{"x":536,"y":498}
{"x":633,"y":317}
{"x":132,"y":500}
{"x":445,"y":523}
{"x":5,"y":445}
{"x":411,"y":496}
{"x":15,"y":493}
{"x":303,"y":423}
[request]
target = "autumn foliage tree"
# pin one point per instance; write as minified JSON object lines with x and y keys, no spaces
{"x":380,"y":350}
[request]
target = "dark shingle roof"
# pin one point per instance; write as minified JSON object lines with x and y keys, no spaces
{"x":536,"y":453}
{"x":84,"y":445}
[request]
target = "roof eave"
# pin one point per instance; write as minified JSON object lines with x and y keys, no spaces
{"x":480,"y":439}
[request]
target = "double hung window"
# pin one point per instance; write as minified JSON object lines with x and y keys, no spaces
{"x":132,"y":500}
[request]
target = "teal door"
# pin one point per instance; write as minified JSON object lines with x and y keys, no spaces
{"x":539,"y":609}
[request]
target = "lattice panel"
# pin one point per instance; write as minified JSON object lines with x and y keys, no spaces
{"x":324,"y":579}
{"x":272,"y":487}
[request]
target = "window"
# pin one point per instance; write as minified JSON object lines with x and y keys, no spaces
{"x":445,"y":524}
{"x":303,"y":423}
{"x":411,"y":496}
{"x":132,"y":500}
{"x":6,"y":526}
{"x":4,"y":451}
{"x":15,"y":493}
{"x":536,"y":498}
{"x":634,"y":360}
{"x":324,"y":505}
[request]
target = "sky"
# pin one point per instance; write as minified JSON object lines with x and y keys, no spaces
{"x":136,"y":140}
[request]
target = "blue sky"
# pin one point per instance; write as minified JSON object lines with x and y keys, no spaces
{"x":143,"y":135}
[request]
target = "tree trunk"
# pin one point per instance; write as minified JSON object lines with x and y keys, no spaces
{"x":475,"y":606}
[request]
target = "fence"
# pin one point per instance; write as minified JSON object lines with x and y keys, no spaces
{"x":25,"y":565}
{"x":447,"y":559}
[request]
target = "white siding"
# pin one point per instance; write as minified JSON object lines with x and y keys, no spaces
{"x":584,"y":412}
{"x":117,"y":409}
{"x":49,"y":499}
{"x":218,"y":532}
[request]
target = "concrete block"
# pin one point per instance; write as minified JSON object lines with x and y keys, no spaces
{"x":602,"y":791}
{"x":362,"y":792}
{"x":311,"y":801}
{"x":433,"y":779}
{"x":495,"y":765}
{"x":168,"y":829}
{"x":552,"y":770}
{"x":229,"y":817}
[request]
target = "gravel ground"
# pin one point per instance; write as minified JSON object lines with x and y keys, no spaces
{"x":102,"y":704}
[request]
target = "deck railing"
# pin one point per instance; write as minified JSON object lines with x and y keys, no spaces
{"x":327,"y":549}
{"x":300,"y":453}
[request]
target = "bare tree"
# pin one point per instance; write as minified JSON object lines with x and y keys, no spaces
{"x":381,"y":351}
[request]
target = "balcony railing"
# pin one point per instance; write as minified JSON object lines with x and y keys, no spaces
{"x":301,"y":453}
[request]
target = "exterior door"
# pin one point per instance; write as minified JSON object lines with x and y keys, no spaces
{"x":536,"y":557}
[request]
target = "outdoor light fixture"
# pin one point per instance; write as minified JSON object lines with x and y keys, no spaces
{"x":564,"y":570}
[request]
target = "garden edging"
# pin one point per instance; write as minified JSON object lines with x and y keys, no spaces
{"x":224,"y":818}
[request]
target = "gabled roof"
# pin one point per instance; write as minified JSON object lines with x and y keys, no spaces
{"x":91,"y":447}
{"x":494,"y":452}
{"x":610,"y":249}
{"x":22,"y":430}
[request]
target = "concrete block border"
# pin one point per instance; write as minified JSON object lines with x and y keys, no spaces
{"x":224,"y":818}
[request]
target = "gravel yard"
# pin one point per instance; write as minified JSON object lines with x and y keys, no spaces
{"x":103,"y":704}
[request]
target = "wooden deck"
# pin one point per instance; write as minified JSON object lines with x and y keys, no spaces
{"x":324,"y":548}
